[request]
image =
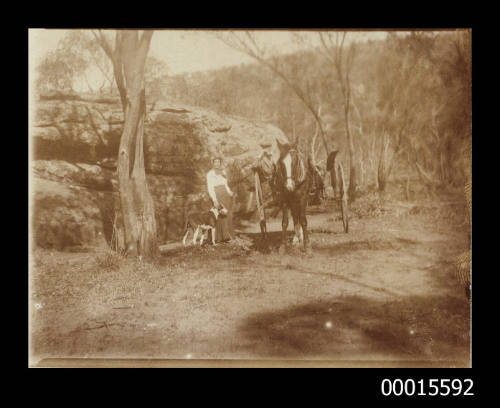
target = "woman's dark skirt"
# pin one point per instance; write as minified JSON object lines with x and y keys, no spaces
{"x":224,"y":228}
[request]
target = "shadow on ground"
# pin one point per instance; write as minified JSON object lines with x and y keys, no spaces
{"x":273,"y":241}
{"x":343,"y":248}
{"x":422,"y":328}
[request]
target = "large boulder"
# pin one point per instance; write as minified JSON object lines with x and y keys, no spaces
{"x":74,"y":148}
{"x":67,"y":216}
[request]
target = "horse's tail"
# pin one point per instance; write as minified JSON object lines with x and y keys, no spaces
{"x":330,"y":161}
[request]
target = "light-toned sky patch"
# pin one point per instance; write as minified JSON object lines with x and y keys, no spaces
{"x":193,"y":50}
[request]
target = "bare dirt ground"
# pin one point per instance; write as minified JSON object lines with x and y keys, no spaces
{"x":383,"y":292}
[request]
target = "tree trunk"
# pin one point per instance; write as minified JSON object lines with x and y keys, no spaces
{"x":352,"y":159}
{"x":137,"y":207}
{"x":444,"y":176}
{"x":361,"y":153}
{"x":382,"y":174}
{"x":137,"y":204}
{"x":136,"y":201}
{"x":361,"y":166}
{"x":372,"y":161}
{"x":385,"y":164}
{"x":407,"y":188}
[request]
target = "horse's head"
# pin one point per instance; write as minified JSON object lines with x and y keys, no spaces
{"x":290,"y":166}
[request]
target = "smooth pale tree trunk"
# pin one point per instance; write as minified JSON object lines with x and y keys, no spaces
{"x":137,"y":204}
{"x":128,"y":57}
{"x":361,"y":171}
{"x":384,"y":171}
{"x":381,"y":175}
{"x":136,"y":201}
{"x":386,"y":163}
{"x":352,"y":156}
{"x":381,"y":172}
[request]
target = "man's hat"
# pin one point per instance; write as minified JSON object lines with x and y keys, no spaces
{"x":265,"y":145}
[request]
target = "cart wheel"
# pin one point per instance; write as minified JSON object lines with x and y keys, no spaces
{"x":345,"y":215}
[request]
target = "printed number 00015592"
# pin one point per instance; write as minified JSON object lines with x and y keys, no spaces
{"x":441,"y":387}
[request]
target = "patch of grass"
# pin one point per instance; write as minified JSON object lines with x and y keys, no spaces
{"x":369,"y":206}
{"x":109,"y":260}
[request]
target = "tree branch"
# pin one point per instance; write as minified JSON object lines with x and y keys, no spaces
{"x":101,"y":39}
{"x":244,"y":47}
{"x":94,"y":127}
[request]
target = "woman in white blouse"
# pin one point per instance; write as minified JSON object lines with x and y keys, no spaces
{"x":222,"y":197}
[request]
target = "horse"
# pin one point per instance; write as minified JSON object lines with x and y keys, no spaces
{"x":292,"y":182}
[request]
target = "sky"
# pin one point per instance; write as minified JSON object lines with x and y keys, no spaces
{"x":188,"y":50}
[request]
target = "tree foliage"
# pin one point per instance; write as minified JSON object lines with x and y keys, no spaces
{"x":59,"y":70}
{"x":80,"y":61}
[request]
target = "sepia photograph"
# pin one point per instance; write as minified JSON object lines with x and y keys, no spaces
{"x":250,"y":198}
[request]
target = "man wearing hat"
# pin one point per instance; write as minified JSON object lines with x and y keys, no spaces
{"x":264,"y":163}
{"x":266,"y":147}
{"x":222,"y":197}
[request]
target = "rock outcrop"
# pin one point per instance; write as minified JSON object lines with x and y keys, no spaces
{"x":74,"y":145}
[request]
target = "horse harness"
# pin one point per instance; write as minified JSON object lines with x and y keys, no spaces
{"x":302,"y":176}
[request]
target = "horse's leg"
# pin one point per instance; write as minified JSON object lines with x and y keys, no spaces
{"x":299,"y":235}
{"x":195,"y":236}
{"x":303,"y":223}
{"x":263,"y":229}
{"x":296,"y":224}
{"x":284,"y":226}
{"x":185,"y":237}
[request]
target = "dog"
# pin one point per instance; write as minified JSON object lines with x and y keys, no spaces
{"x":201,"y":222}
